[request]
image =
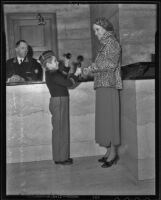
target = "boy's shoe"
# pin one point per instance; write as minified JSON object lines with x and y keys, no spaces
{"x":66,"y":162}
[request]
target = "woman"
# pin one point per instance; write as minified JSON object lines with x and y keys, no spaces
{"x":107,"y":82}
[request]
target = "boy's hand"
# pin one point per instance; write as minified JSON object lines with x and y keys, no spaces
{"x":73,"y":77}
{"x":78,"y":72}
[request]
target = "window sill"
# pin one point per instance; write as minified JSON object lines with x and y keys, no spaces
{"x":25,"y":83}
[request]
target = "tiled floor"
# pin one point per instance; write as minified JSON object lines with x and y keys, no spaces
{"x":84,"y":177}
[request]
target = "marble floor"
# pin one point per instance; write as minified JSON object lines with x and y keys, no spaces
{"x":84,"y":177}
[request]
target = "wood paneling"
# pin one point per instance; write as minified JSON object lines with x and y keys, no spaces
{"x":25,"y":26}
{"x":34,"y":35}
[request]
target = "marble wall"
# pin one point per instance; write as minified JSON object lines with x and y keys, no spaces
{"x":29,"y":122}
{"x":137,"y":27}
{"x":138,"y":127}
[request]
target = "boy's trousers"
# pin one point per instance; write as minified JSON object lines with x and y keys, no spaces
{"x":59,"y":108}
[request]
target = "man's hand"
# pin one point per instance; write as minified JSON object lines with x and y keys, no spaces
{"x":15,"y":78}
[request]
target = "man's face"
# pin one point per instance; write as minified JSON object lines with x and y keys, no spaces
{"x":22,"y":50}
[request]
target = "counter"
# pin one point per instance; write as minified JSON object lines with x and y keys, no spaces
{"x":138,"y":127}
{"x":29,"y":122}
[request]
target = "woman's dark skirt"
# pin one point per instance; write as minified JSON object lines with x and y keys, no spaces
{"x":107,"y":118}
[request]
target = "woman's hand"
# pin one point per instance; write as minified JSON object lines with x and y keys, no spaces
{"x":93,"y":66}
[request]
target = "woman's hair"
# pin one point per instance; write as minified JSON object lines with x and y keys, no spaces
{"x":105,"y":23}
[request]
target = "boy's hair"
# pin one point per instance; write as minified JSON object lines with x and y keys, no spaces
{"x":46,"y":57}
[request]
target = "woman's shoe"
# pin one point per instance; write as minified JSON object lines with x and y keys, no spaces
{"x":111,"y":162}
{"x":103,"y":159}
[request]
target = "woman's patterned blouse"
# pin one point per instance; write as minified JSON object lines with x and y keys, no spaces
{"x":106,"y":68}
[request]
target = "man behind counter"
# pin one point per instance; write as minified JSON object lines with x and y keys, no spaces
{"x":22,"y":67}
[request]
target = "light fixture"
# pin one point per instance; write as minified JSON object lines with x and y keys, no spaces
{"x":41,"y":20}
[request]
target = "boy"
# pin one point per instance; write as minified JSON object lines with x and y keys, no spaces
{"x":57,"y":84}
